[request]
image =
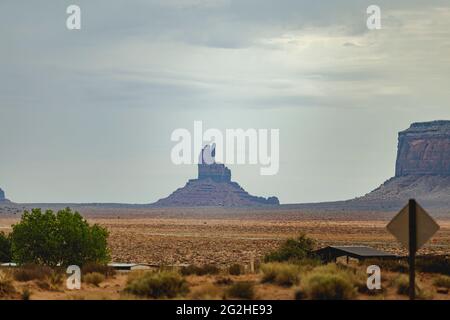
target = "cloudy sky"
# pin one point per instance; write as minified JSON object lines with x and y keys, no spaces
{"x":86,"y":116}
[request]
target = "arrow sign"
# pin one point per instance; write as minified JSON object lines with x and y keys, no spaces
{"x":413,"y":227}
{"x":426,"y":227}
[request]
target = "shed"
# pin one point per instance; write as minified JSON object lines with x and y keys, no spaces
{"x":129,"y":266}
{"x":331,"y":253}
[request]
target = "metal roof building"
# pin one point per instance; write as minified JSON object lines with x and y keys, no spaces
{"x":331,"y":253}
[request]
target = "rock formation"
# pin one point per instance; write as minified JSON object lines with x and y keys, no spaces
{"x":2,"y":195}
{"x":422,"y":168}
{"x":424,"y":149}
{"x":213,"y":187}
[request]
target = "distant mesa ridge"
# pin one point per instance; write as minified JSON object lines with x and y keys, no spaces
{"x":213,"y":187}
{"x":424,"y":149}
{"x":3,"y":197}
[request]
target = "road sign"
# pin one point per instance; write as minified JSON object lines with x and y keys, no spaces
{"x":426,"y":227}
{"x":413,"y":227}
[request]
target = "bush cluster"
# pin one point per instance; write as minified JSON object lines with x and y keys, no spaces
{"x":162,"y":284}
{"x":235,"y":269}
{"x":442,"y":281}
{"x":6,"y":285}
{"x":282,"y":274}
{"x":292,"y":250}
{"x":199,"y":270}
{"x":94,"y":278}
{"x":242,"y":290}
{"x":331,"y":282}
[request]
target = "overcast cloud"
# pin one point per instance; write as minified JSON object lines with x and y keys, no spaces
{"x":87,"y":115}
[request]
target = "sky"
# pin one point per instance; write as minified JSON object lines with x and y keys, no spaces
{"x":87,"y":115}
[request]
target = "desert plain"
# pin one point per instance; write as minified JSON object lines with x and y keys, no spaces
{"x":179,"y":236}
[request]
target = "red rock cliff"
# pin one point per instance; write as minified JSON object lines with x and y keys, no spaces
{"x":424,"y":149}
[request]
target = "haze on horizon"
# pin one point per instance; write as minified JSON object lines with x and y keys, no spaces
{"x":86,"y":116}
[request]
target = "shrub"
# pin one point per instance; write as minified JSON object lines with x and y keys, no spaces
{"x":26,"y":294}
{"x":6,"y":284}
{"x":442,"y":281}
{"x":224,"y":281}
{"x":327,"y":286}
{"x":332,"y":282}
{"x":235,"y":269}
{"x":283,"y":274}
{"x":5,"y":248}
{"x":162,"y":284}
{"x":434,"y":264}
{"x":300,"y":294}
{"x":199,"y":270}
{"x":31,"y":272}
{"x":292,"y":250}
{"x":394,"y":265}
{"x":62,"y":239}
{"x":104,"y":269}
{"x":206,"y":292}
{"x":94,"y":278}
{"x":402,"y":284}
{"x":242,"y":290}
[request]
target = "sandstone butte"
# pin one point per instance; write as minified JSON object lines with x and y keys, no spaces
{"x":213,"y":187}
{"x":422,"y":168}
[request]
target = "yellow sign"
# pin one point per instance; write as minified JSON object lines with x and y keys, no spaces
{"x":425,"y":224}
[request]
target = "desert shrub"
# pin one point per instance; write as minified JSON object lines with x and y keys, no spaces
{"x":206,"y":292}
{"x":26,"y":294}
{"x":235,"y":269}
{"x":442,"y":281}
{"x":300,"y":294}
{"x":94,"y":278}
{"x":402,"y":285}
{"x":62,"y":239}
{"x":224,"y":281}
{"x":199,"y":270}
{"x":52,"y":282}
{"x":329,"y":286}
{"x":6,"y":284}
{"x":5,"y":248}
{"x":104,"y":269}
{"x":394,"y":265}
{"x":292,"y":250}
{"x":282,"y":274}
{"x":242,"y":290}
{"x":434,"y":264}
{"x":31,"y":272}
{"x":332,"y":282}
{"x":162,"y":284}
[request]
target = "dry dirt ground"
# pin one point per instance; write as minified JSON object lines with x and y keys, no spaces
{"x":226,"y":236}
{"x":207,"y":287}
{"x":223,"y":237}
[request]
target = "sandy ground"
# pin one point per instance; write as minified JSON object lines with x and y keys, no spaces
{"x":223,"y":237}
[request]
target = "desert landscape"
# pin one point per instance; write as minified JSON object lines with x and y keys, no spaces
{"x":178,"y":238}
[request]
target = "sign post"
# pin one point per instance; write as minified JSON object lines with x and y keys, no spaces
{"x":412,"y":248}
{"x":413,"y":227}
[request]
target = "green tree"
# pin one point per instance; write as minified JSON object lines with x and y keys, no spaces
{"x":292,"y":250}
{"x":5,"y":248}
{"x":63,"y":239}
